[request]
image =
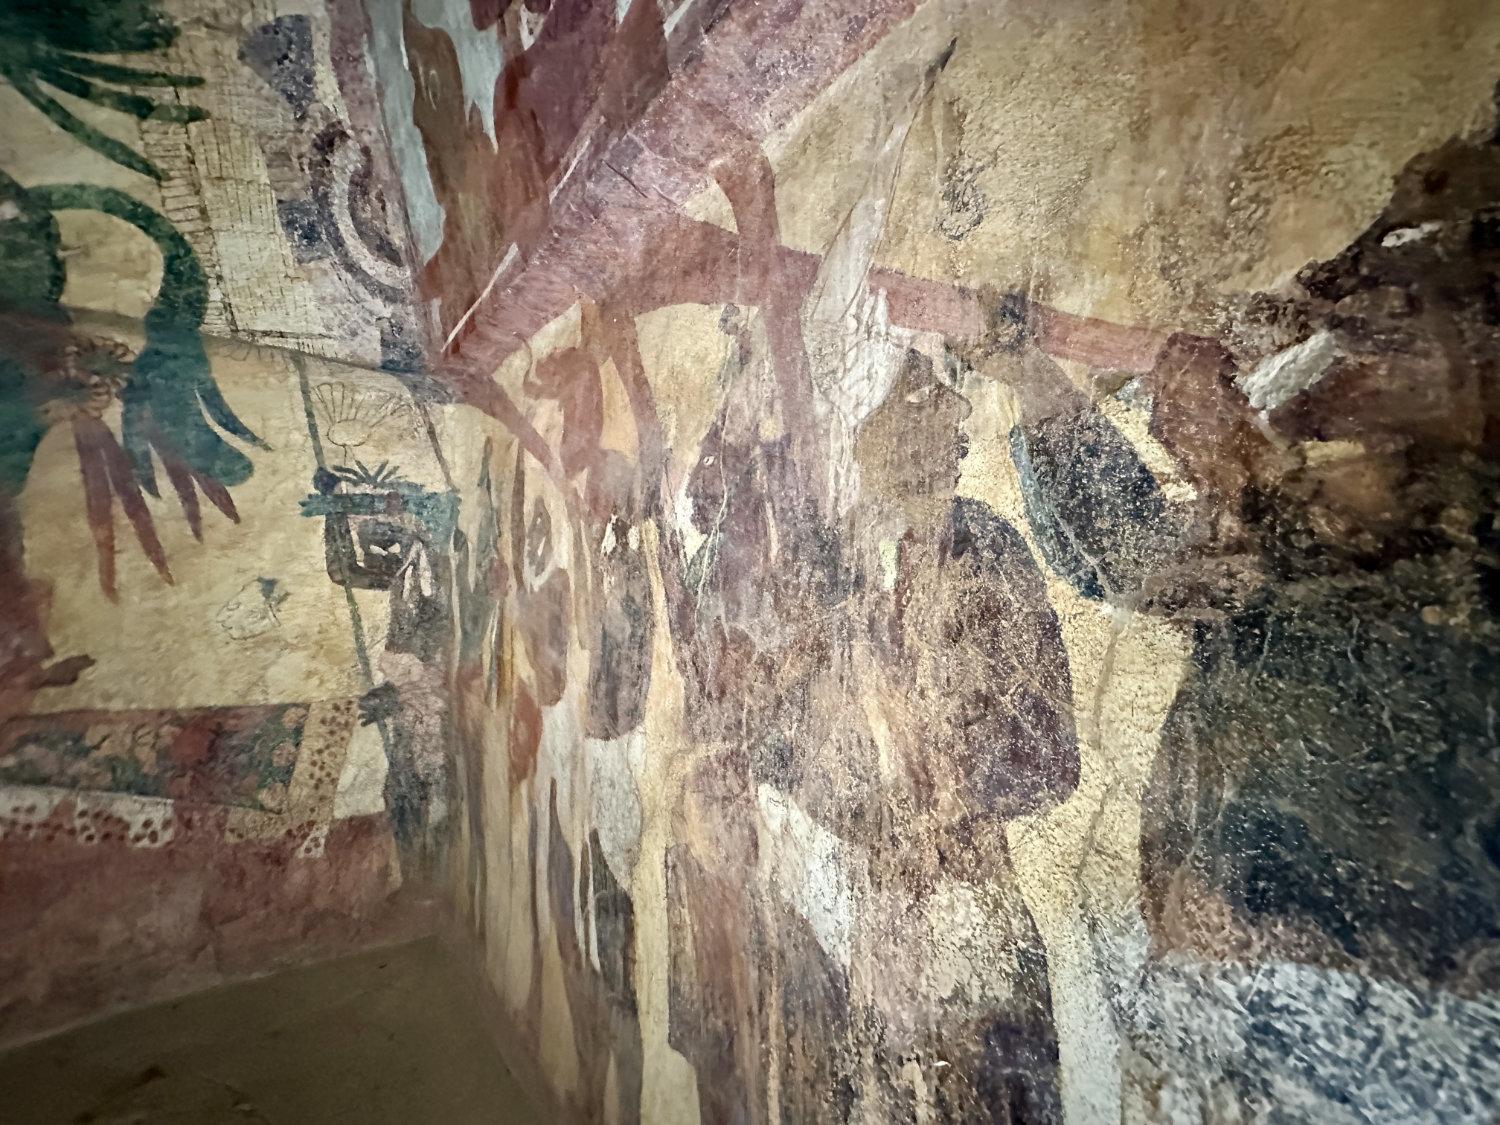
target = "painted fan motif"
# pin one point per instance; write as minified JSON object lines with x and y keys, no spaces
{"x":350,"y":416}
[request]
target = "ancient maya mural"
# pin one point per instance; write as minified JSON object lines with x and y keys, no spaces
{"x":825,"y":795}
{"x":938,"y":563}
{"x":383,"y":532}
{"x":166,"y":393}
{"x":219,"y":758}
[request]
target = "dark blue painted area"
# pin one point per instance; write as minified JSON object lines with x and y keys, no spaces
{"x":302,"y":223}
{"x":281,"y":52}
{"x":1336,"y":758}
{"x":1098,"y":515}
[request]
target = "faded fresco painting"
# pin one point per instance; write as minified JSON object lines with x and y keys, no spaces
{"x":250,"y":717}
{"x":977,"y":602}
{"x":226,"y":613}
{"x":243,"y":705}
{"x":248,"y":127}
{"x":901,"y":562}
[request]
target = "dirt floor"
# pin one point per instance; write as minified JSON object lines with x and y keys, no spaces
{"x":391,"y":1036}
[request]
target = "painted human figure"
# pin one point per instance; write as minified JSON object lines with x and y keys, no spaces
{"x":601,"y":1000}
{"x":384,"y":533}
{"x":762,"y":599}
{"x":543,"y":621}
{"x":603,"y":600}
{"x":969,"y":673}
{"x":965,"y":659}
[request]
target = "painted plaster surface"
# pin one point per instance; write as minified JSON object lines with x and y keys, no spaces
{"x":937,"y":562}
{"x":225,"y":619}
{"x":984,"y":608}
{"x":233,"y":754}
{"x":252,"y":127}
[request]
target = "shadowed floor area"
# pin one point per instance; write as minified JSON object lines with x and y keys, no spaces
{"x":390,"y":1036}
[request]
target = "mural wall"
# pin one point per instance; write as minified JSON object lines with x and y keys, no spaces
{"x":903,"y":562}
{"x":225,"y":616}
{"x":979,"y":600}
{"x":251,"y":128}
